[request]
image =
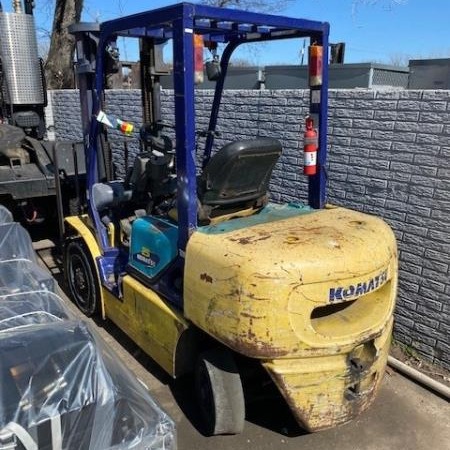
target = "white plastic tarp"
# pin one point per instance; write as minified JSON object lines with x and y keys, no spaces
{"x":22,"y":275}
{"x":31,"y":308}
{"x":5,"y":215}
{"x":61,"y":387}
{"x":15,"y":243}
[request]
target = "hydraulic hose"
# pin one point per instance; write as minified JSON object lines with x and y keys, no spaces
{"x":434,"y":385}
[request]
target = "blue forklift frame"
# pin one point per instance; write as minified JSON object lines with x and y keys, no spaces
{"x":233,"y":27}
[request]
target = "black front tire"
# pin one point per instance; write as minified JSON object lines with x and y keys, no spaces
{"x":219,"y":393}
{"x":81,"y":277}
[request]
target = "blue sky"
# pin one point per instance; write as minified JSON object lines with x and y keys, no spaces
{"x":375,"y":31}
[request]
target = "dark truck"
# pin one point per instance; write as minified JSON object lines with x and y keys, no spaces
{"x":27,"y":160}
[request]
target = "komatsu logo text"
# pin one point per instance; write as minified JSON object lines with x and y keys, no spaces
{"x":355,"y":290}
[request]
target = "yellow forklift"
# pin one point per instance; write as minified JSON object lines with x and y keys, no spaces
{"x":187,"y":255}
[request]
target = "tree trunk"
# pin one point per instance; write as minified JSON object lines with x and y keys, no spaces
{"x":59,"y":65}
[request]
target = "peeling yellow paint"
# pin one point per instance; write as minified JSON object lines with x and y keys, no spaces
{"x":268,"y":297}
{"x":265,"y":290}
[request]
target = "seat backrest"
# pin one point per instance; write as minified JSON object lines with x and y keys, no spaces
{"x":137,"y":177}
{"x":239,"y":172}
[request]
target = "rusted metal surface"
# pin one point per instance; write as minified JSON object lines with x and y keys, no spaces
{"x":257,"y":290}
{"x":206,"y":277}
{"x":323,"y":394}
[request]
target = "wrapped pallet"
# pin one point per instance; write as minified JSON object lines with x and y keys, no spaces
{"x":61,"y":387}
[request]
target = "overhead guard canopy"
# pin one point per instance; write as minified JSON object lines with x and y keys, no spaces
{"x":216,"y":24}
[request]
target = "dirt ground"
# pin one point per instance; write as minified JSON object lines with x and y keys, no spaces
{"x":411,"y":358}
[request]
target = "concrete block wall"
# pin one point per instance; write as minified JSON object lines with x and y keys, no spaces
{"x":66,"y":114}
{"x":389,"y":155}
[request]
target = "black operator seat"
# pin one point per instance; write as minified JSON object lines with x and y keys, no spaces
{"x":239,"y":173}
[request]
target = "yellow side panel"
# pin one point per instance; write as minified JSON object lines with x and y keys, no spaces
{"x":141,"y":313}
{"x":78,"y":223}
{"x":148,"y":320}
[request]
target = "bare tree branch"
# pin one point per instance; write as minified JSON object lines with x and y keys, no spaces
{"x":58,"y":67}
{"x":388,"y":4}
{"x":59,"y":64}
{"x":250,"y":5}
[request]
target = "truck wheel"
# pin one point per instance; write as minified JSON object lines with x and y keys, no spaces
{"x":219,"y":393}
{"x":81,"y":277}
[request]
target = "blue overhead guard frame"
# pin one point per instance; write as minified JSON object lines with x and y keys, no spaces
{"x":232,"y":27}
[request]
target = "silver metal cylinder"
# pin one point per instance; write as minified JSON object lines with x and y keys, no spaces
{"x":22,"y":77}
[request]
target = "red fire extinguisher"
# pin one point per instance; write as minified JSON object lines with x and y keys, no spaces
{"x":311,"y":143}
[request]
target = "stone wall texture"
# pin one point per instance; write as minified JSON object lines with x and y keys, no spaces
{"x":389,"y":155}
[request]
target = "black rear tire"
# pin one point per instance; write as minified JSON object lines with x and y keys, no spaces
{"x":81,"y":277}
{"x":219,"y":393}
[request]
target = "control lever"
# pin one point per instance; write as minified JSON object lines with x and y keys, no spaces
{"x":206,"y":133}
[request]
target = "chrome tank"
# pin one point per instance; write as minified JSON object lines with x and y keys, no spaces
{"x":20,"y":64}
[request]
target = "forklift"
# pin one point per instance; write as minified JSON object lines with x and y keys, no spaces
{"x":189,"y":257}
